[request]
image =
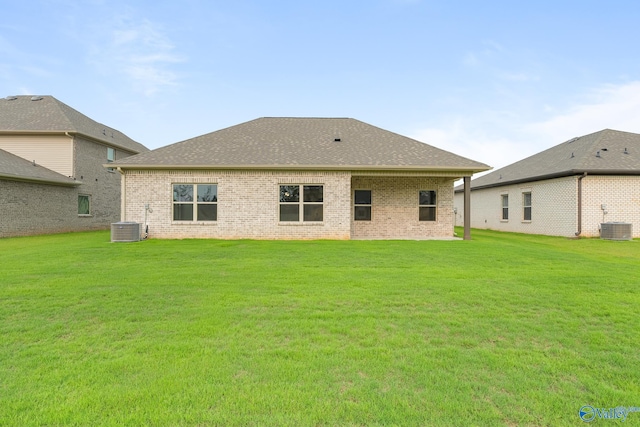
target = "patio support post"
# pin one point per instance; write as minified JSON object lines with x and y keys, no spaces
{"x":467,"y":208}
{"x":580,"y":178}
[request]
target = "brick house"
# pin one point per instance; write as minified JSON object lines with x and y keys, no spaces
{"x":51,"y":174}
{"x":567,"y":190}
{"x":294,"y":178}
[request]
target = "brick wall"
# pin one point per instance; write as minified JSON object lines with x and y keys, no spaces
{"x":27,"y":209}
{"x":31,"y":208}
{"x":394,"y":211}
{"x":555,"y":205}
{"x":248,"y":205}
{"x":620,"y":194}
{"x":101,"y":185}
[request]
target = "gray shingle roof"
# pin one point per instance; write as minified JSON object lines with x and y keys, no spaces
{"x":14,"y":167}
{"x":302,"y":143}
{"x":608,"y":152}
{"x":45,"y":114}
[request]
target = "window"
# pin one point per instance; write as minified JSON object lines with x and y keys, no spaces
{"x":301,"y":201}
{"x":526,"y":205}
{"x":111,"y":157}
{"x":84,"y":204}
{"x":427,"y":205}
{"x":195,"y":202}
{"x":505,"y":207}
{"x":362,"y":205}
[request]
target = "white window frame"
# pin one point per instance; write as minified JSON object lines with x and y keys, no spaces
{"x":194,"y":202}
{"x":526,"y":206}
{"x":504,"y":207}
{"x":88,"y":196}
{"x":111,"y":157}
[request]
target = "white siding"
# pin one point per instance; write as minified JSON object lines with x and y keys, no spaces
{"x":54,"y":152}
{"x":555,"y":206}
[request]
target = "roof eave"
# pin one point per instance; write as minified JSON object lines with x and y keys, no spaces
{"x":35,"y":132}
{"x":39,"y":180}
{"x":563,"y":174}
{"x":465,"y":170}
{"x":68,"y":133}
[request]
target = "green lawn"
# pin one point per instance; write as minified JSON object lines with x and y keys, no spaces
{"x":505,"y":329}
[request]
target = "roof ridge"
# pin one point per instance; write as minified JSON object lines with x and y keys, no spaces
{"x":62,"y":106}
{"x":303,"y":143}
{"x":598,"y":145}
{"x":590,"y":147}
{"x":54,"y":115}
{"x":58,"y":104}
{"x":603,"y":152}
{"x":305,"y":117}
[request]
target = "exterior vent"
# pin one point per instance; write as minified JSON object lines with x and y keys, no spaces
{"x":125,"y":232}
{"x":615,"y":231}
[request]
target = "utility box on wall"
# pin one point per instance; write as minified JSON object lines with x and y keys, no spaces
{"x":616,"y":231}
{"x":125,"y":232}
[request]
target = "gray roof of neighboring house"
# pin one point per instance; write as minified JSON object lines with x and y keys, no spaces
{"x":16,"y":168}
{"x":608,"y":152}
{"x":302,"y":143}
{"x":45,"y":114}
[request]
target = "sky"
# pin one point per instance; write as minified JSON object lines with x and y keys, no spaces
{"x":494,"y":81}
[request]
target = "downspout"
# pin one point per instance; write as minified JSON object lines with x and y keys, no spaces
{"x":580,"y":204}
{"x":123,"y":194}
{"x":467,"y":208}
{"x":73,"y":154}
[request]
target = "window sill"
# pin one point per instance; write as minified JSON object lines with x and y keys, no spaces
{"x":85,"y":216}
{"x":194,"y":222}
{"x":504,"y":220}
{"x":526,"y":221}
{"x":300,"y":224}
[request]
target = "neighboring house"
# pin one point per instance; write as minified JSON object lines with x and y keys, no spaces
{"x":51,"y":174}
{"x":295,"y":178}
{"x":567,"y":190}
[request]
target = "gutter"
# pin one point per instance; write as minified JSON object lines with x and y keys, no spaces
{"x":73,"y":153}
{"x":580,"y":204}
{"x":353,"y":168}
{"x":573,"y":172}
{"x":10,"y":177}
{"x":69,"y":134}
